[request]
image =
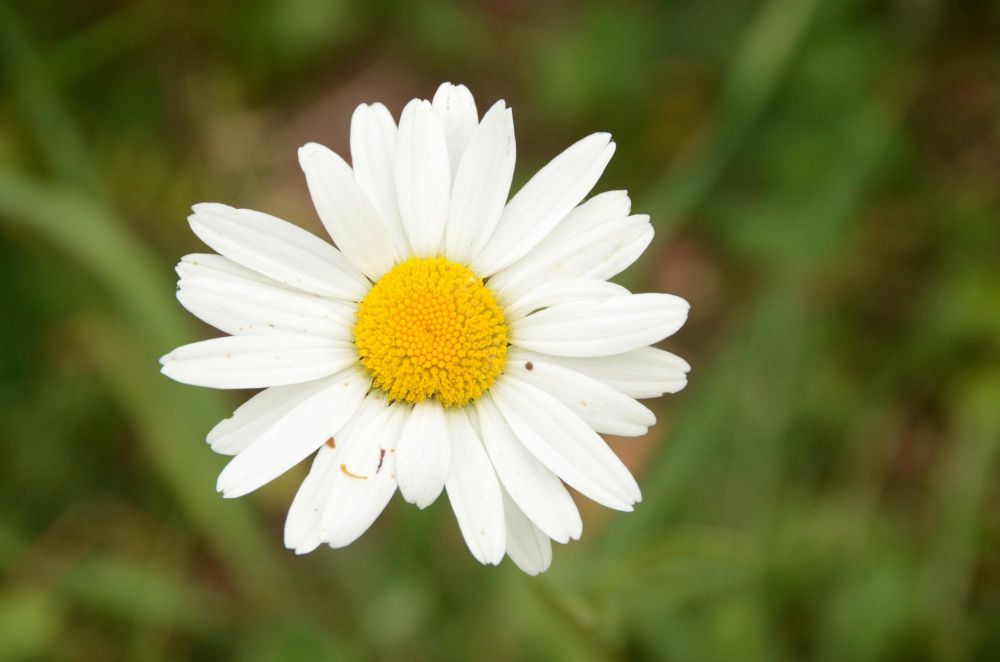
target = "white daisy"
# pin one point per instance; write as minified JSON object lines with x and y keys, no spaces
{"x":453,"y":340}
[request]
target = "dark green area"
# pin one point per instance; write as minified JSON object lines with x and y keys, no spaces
{"x":824,"y":176}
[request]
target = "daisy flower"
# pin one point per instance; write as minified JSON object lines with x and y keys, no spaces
{"x":452,"y":340}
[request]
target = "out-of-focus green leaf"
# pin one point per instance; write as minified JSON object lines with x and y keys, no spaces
{"x":143,"y":594}
{"x":29,"y":618}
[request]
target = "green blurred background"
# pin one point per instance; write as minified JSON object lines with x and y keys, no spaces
{"x":824,"y":176}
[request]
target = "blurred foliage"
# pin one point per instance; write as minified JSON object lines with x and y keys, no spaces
{"x":824,"y":177}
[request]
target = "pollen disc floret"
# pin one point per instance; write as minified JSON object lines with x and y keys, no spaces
{"x":430,"y":329}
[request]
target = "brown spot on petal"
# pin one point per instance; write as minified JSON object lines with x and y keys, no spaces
{"x":529,"y":365}
{"x":331,"y":443}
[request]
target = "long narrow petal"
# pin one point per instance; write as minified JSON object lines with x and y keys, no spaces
{"x":257,"y":361}
{"x":598,"y":210}
{"x":565,"y":444}
{"x":220,"y":268}
{"x":481,"y":186}
{"x":424,"y":454}
{"x":554,"y":292}
{"x":297,"y":434}
{"x":278,"y":250}
{"x":474,"y":491}
{"x":646,"y":372}
{"x":598,"y":254}
{"x":527,"y":546}
{"x":232,"y":435}
{"x":544,"y":201}
{"x":535,"y":489}
{"x":600,"y":328}
{"x":365,"y":478}
{"x":244,"y":306}
{"x":456,"y":112}
{"x":598,"y":405}
{"x":423,"y":178}
{"x":597,"y":240}
{"x":346,"y":212}
{"x":302,"y":521}
{"x":302,"y":526}
{"x":373,"y":157}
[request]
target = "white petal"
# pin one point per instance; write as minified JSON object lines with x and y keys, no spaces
{"x":302,"y":526}
{"x":327,"y":406}
{"x":219,"y":268}
{"x":598,"y":210}
{"x":481,"y":185}
{"x":423,"y":178}
{"x":231,"y":435}
{"x":456,"y":112}
{"x":373,"y":156}
{"x":257,"y":361}
{"x":537,"y":491}
{"x":599,"y":254}
{"x":613,"y":326}
{"x":646,"y":372}
{"x":240,"y":305}
{"x":565,"y":444}
{"x":576,"y":249}
{"x":423,"y":454}
{"x":527,"y":546}
{"x":302,"y":521}
{"x":634,"y":236}
{"x":279,"y":250}
{"x":544,"y":201}
{"x":346,"y":212}
{"x":364,"y":479}
{"x":598,"y":405}
{"x":554,"y":292}
{"x":474,"y":491}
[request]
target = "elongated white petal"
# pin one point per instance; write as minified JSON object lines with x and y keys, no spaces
{"x":554,"y":292}
{"x":302,"y":521}
{"x":373,"y":157}
{"x":565,"y":444}
{"x":278,"y":250}
{"x":527,"y":546}
{"x":612,"y":326}
{"x":346,"y":212}
{"x":596,"y":240}
{"x":220,"y":268}
{"x":423,"y":454}
{"x":302,"y":526}
{"x":646,"y":372}
{"x":598,"y":210}
{"x":423,"y":178}
{"x":482,"y":183}
{"x":455,"y":110}
{"x":635,"y":234}
{"x":598,"y":405}
{"x":231,"y":435}
{"x":257,"y":361}
{"x":293,"y":437}
{"x":364,"y":479}
{"x":243,"y":306}
{"x":597,"y":254}
{"x":536,"y":490}
{"x":544,"y":201}
{"x":474,"y":491}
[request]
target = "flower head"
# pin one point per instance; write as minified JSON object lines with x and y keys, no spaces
{"x":451,"y":341}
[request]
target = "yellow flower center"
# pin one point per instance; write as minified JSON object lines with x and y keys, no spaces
{"x":430,"y":329}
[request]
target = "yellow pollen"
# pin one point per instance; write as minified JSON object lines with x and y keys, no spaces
{"x":430,"y":329}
